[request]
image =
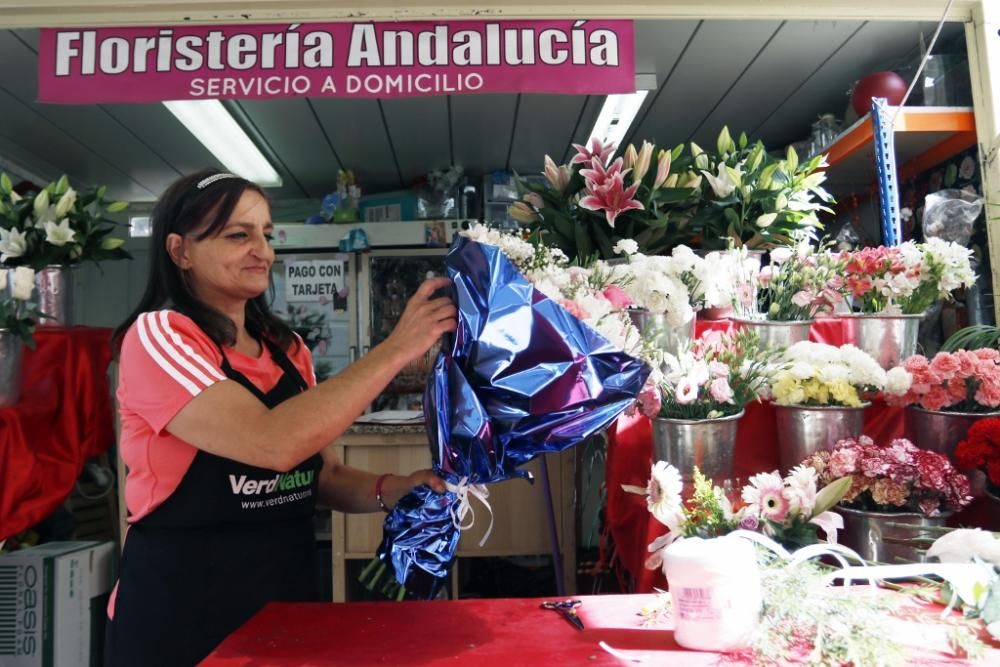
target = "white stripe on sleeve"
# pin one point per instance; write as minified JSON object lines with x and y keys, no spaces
{"x":171,"y":351}
{"x":155,"y":355}
{"x":198,"y":359}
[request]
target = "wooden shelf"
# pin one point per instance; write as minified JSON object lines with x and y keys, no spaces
{"x":924,"y":137}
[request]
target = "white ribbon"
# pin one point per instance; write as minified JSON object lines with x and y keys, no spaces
{"x":463,"y":507}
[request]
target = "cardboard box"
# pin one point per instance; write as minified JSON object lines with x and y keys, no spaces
{"x":388,"y":207}
{"x":53,"y":602}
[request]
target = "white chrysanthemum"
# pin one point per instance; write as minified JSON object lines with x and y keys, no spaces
{"x":626,"y":247}
{"x":898,"y":381}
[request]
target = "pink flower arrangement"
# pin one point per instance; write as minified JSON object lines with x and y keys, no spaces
{"x":897,"y":477}
{"x":961,"y":381}
{"x":716,"y":377}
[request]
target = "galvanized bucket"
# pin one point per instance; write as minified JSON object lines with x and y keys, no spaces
{"x":705,"y":443}
{"x":873,"y":534}
{"x":805,"y":430}
{"x":54,"y":295}
{"x":662,"y":335}
{"x":777,"y":334}
{"x":11,"y":350}
{"x":889,"y":339}
{"x":939,"y":430}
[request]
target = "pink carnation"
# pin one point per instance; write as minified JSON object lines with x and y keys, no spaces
{"x":842,"y":462}
{"x":987,"y":354}
{"x":617,"y":296}
{"x":945,"y":365}
{"x":574,"y":309}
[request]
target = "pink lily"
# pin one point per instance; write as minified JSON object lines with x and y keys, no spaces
{"x":599,"y":175}
{"x":558,"y":176}
{"x":662,"y":169}
{"x":613,"y":198}
{"x":597,"y":149}
{"x":630,"y":156}
{"x":642,"y":162}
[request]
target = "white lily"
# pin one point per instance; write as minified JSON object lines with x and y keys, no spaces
{"x":23,"y":283}
{"x":65,"y":203}
{"x":41,"y":203}
{"x":722,"y":184}
{"x":766,"y":219}
{"x":964,"y":545}
{"x":59,"y":235}
{"x":13,"y":243}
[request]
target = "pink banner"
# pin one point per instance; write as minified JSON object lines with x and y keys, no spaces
{"x":81,"y":66}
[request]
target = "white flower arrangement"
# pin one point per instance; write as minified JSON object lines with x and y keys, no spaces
{"x":819,"y":374}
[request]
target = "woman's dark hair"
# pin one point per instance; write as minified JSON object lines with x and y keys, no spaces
{"x":183,"y":208}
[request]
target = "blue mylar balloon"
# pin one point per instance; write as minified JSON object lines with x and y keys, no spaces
{"x":520,"y":377}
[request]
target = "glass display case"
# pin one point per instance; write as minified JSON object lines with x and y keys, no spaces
{"x":343,"y":304}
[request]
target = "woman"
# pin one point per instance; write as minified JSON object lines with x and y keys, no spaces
{"x":224,"y":430}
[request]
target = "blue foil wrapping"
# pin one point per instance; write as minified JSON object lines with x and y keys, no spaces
{"x":519,"y":378}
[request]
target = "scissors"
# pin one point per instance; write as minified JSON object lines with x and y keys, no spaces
{"x":567,"y":608}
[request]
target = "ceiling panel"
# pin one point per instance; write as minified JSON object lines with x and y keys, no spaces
{"x":357,"y":132}
{"x":874,"y":47}
{"x":544,"y":126}
{"x":138,"y":170}
{"x":717,"y":54}
{"x":296,"y":136}
{"x":481,"y":128}
{"x":749,"y":74}
{"x":774,"y":76}
{"x":419,"y":129}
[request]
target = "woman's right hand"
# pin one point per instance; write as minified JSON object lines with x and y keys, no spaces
{"x":424,"y":320}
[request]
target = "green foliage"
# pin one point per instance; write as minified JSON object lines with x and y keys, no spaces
{"x":973,"y":338}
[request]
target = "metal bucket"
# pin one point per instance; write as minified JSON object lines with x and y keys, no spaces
{"x":11,"y":350}
{"x":887,"y":338}
{"x":662,"y":335}
{"x":871,"y":534}
{"x":54,"y":294}
{"x":806,"y":430}
{"x":938,"y":430}
{"x":777,"y":334}
{"x":705,"y":443}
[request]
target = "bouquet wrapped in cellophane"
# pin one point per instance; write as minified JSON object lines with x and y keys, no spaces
{"x":524,"y":374}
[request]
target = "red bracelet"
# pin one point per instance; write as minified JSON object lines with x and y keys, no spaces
{"x":378,"y":492}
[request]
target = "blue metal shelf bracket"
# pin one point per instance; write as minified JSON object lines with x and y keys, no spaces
{"x":885,"y":166}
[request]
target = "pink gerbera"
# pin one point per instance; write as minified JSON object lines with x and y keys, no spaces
{"x":765,"y":494}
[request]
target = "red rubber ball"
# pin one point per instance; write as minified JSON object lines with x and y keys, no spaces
{"x":880,"y":84}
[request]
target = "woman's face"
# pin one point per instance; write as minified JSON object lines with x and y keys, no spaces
{"x":235,"y":264}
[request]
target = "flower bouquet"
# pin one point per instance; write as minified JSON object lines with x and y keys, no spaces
{"x":748,"y":198}
{"x":796,"y":285}
{"x":18,"y":316}
{"x":815,"y":374}
{"x":528,"y":371}
{"x":896,"y":477}
{"x":56,"y":226}
{"x":981,"y":449}
{"x":593,"y":202}
{"x":907,"y":279}
{"x":789,"y":510}
{"x":716,"y":377}
{"x":963,"y":381}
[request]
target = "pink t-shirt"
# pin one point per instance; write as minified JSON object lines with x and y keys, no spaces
{"x":166,"y":360}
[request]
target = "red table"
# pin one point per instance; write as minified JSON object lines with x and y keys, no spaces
{"x":63,"y":418}
{"x":485,"y":633}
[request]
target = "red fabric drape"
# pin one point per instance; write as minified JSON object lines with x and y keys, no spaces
{"x":630,"y":455}
{"x":63,"y":418}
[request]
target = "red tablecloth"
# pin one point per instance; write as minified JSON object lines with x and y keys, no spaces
{"x":485,"y":633}
{"x":630,"y":456}
{"x":63,"y":418}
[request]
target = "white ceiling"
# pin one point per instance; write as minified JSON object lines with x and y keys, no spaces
{"x":768,"y":78}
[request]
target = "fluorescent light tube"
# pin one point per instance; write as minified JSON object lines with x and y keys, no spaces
{"x":616,"y":116}
{"x":218,"y":131}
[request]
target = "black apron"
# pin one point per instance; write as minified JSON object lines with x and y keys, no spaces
{"x":231,"y":538}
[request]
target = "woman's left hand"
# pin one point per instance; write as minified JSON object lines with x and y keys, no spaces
{"x":397,"y":486}
{"x":428,"y":477}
